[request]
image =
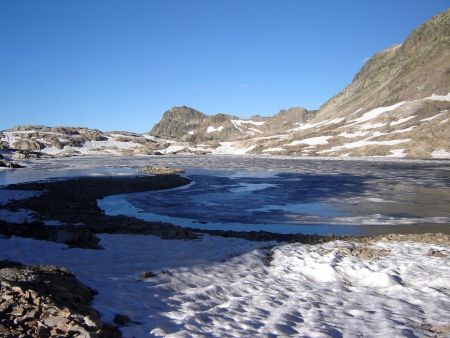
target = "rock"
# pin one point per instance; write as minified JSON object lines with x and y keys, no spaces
{"x":153,"y":170}
{"x":76,"y":237}
{"x":147,"y":274}
{"x":435,"y":253}
{"x":11,"y":165}
{"x":18,"y":156}
{"x":48,"y":301}
{"x":121,"y":320}
{"x":28,"y":145}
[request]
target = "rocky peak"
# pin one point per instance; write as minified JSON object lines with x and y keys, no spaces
{"x":177,"y":122}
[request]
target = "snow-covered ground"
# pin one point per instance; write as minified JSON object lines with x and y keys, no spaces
{"x":222,"y":287}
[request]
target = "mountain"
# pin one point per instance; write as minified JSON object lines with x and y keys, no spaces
{"x":398,"y":105}
{"x":189,"y":125}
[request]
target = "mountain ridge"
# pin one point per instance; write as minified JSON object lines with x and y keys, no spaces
{"x":397,"y":105}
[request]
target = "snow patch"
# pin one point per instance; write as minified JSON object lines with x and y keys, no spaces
{"x":358,"y":133}
{"x":398,"y":153}
{"x":362,"y":143}
{"x":440,"y":153}
{"x":273,"y":149}
{"x":402,"y":120}
{"x":318,"y":124}
{"x":311,"y":141}
{"x":435,"y":97}
{"x":431,"y":117}
{"x":377,"y":112}
{"x":231,"y":149}
{"x":212,"y":129}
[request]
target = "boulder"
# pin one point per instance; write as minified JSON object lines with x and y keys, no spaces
{"x":154,"y":170}
{"x":28,"y":145}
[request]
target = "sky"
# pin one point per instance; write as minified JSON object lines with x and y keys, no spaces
{"x":118,"y":65}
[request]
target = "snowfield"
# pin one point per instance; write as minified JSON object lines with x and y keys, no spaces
{"x":224,"y":287}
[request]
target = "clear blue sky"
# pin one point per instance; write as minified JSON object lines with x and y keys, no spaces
{"x":120,"y":64}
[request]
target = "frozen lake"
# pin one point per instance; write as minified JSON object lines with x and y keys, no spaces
{"x":278,"y":194}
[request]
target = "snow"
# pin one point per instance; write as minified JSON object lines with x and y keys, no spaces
{"x":318,"y":124}
{"x":238,"y":125}
{"x":402,"y":120}
{"x":174,"y":149}
{"x":431,"y":117}
{"x":399,"y":153}
{"x":404,"y":130}
{"x":220,"y":287}
{"x":19,"y":216}
{"x":256,"y":123}
{"x":230,"y":149}
{"x":191,"y":132}
{"x":110,"y":146}
{"x":250,"y":187}
{"x":362,"y":143}
{"x":374,"y":113}
{"x":435,"y":97}
{"x":7,"y":195}
{"x":211,"y":129}
{"x":273,"y":149}
{"x":358,"y":133}
{"x":372,"y":125}
{"x":311,"y":141}
{"x":440,"y":153}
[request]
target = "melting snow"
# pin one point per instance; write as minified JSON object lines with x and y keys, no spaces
{"x":431,"y":117}
{"x":229,"y":148}
{"x":318,"y":124}
{"x":402,"y":120}
{"x":440,"y":153}
{"x":273,"y":149}
{"x":211,"y":129}
{"x":438,"y":97}
{"x":358,"y":133}
{"x":404,"y":130}
{"x":376,"y":112}
{"x":362,"y":143}
{"x":304,"y":291}
{"x":372,"y":125}
{"x":311,"y":141}
{"x":399,"y":153}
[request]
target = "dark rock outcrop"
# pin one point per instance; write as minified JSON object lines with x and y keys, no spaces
{"x":47,"y":301}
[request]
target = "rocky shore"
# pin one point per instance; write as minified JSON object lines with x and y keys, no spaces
{"x":73,"y":204}
{"x":47,"y":301}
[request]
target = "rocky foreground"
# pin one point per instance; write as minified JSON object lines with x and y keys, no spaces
{"x":47,"y":301}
